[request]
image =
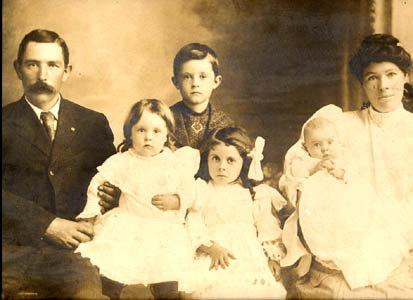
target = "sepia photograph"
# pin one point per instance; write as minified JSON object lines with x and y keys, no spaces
{"x":207,"y":149}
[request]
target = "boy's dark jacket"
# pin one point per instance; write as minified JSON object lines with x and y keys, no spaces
{"x":218,"y":119}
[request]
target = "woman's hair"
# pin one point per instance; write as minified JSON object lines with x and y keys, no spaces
{"x":379,"y":48}
{"x":229,"y":136}
{"x":154,"y":106}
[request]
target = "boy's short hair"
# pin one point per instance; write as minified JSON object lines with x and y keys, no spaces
{"x":317,"y":123}
{"x":195,"y":51}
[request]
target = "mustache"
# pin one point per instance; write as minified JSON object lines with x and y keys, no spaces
{"x":41,"y":87}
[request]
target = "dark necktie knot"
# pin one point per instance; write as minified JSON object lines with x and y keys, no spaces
{"x":48,"y":123}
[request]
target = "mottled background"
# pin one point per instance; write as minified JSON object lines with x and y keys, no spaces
{"x":280,"y":59}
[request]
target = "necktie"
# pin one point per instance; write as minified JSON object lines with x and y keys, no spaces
{"x":48,"y":123}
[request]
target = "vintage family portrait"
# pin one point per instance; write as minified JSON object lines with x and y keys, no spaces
{"x":207,"y":149}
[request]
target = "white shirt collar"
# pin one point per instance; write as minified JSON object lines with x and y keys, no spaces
{"x":54,"y":110}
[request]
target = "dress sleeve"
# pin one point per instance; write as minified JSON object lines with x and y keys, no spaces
{"x":268,"y":226}
{"x":290,"y":182}
{"x":187,"y":164}
{"x":106,"y":172}
{"x":92,"y":207}
{"x":195,"y":221}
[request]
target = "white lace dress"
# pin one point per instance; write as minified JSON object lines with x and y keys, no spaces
{"x":136,"y":242}
{"x":229,"y":216}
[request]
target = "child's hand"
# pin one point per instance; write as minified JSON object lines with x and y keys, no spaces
{"x":324,"y":164}
{"x":219,"y":256}
{"x":337,"y":173}
{"x":275,"y":269}
{"x":166,"y":201}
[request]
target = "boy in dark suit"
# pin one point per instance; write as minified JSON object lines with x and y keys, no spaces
{"x":50,"y":150}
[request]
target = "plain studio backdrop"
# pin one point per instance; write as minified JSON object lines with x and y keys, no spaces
{"x":280,"y":60}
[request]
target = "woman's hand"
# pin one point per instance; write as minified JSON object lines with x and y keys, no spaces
{"x":109,"y":196}
{"x":166,"y":201}
{"x":219,"y":256}
{"x":275,"y":269}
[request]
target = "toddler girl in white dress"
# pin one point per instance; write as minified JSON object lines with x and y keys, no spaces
{"x":143,"y":241}
{"x":235,"y":236}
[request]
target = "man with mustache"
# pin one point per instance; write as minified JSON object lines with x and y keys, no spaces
{"x":50,"y":150}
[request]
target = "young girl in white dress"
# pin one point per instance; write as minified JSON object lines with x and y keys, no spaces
{"x":235,"y":236}
{"x":143,"y":241}
{"x":340,"y":221}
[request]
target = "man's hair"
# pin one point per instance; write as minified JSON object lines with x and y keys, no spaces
{"x":43,"y":36}
{"x":195,"y":51}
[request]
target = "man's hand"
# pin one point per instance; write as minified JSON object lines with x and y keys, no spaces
{"x":166,"y":201}
{"x":109,"y":196}
{"x":275,"y":269}
{"x":69,"y":234}
{"x":219,"y":256}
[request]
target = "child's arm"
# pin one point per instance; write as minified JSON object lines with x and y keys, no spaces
{"x":268,"y":226}
{"x":201,"y":243}
{"x":187,"y":164}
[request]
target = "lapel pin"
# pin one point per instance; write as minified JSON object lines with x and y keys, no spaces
{"x":72,"y":129}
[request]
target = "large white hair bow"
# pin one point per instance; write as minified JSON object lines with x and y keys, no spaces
{"x":255,"y":171}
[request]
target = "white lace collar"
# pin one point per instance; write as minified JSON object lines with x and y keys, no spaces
{"x":386,"y":119}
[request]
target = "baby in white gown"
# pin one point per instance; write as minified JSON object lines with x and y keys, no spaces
{"x":338,"y":210}
{"x":143,"y":241}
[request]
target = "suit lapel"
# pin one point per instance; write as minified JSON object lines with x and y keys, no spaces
{"x":66,"y":128}
{"x":28,"y":127}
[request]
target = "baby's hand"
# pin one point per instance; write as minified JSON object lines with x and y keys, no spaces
{"x":219,"y":256}
{"x":275,"y":269}
{"x":337,"y":173}
{"x":166,"y":201}
{"x":324,"y":164}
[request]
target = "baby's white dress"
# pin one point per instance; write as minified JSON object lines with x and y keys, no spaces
{"x":229,"y":216}
{"x":136,"y":242}
{"x":360,"y":226}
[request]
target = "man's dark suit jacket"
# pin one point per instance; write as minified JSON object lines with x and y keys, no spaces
{"x":51,"y":179}
{"x":42,"y":181}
